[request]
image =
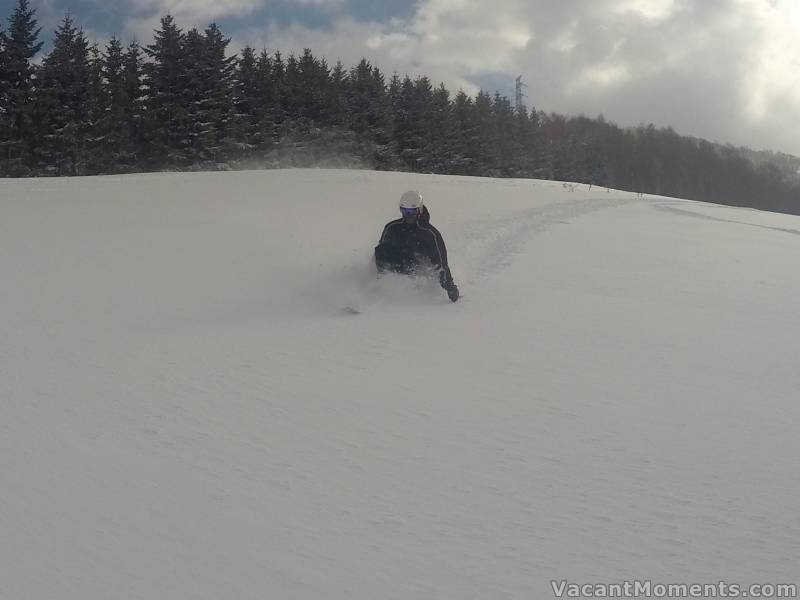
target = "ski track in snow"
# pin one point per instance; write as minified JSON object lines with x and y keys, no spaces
{"x":664,"y":206}
{"x":492,"y":246}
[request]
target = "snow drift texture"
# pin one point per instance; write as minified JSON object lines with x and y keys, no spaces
{"x":187,"y":412}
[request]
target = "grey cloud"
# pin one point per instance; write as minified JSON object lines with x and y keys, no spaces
{"x":695,"y":65}
{"x":692,"y":69}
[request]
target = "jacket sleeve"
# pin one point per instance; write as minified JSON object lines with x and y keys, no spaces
{"x":438,"y":255}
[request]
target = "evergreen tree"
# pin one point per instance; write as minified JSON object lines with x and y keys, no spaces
{"x":64,"y":104}
{"x":300,"y":96}
{"x":111,"y":132}
{"x":290,"y":91}
{"x":413,"y":123}
{"x":133,"y":102}
{"x":444,"y":131}
{"x":245,"y":118}
{"x":207,"y":98}
{"x":506,"y":151}
{"x":276,"y":90}
{"x":466,"y":135}
{"x":218,"y":73}
{"x":117,"y":126}
{"x":17,"y":47}
{"x":382,"y":122}
{"x":394,"y":91}
{"x":166,"y":110}
{"x":525,"y":134}
{"x":369,"y":114}
{"x":336,"y":101}
{"x":4,"y":97}
{"x":96,"y":105}
{"x":483,"y":141}
{"x":197,"y":130}
{"x":312,"y":90}
{"x":269,"y":112}
{"x":288,"y":114}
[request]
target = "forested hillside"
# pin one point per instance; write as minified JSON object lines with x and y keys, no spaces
{"x":184,"y":102}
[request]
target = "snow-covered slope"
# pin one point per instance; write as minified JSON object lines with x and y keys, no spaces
{"x":187,"y":412}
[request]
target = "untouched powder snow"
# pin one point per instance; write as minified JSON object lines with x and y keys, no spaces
{"x":186,"y":410}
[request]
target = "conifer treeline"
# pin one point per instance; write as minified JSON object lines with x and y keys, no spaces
{"x":181,"y":103}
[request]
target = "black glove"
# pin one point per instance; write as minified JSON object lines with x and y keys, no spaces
{"x":448,"y":285}
{"x":452,"y":292}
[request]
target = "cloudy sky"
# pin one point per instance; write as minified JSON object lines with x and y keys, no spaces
{"x":726,"y":70}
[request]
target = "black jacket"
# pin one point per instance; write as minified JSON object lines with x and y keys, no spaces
{"x":407,"y":245}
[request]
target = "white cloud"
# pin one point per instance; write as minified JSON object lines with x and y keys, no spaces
{"x":656,"y":10}
{"x":775,"y":68}
{"x":603,"y":75}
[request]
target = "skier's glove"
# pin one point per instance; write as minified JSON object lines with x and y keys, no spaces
{"x":452,"y":292}
{"x":448,"y":285}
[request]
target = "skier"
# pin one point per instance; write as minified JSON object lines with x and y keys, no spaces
{"x":411,"y":243}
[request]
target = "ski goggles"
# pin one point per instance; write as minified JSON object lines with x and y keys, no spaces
{"x":409,"y":212}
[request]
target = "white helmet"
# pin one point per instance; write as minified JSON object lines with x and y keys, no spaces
{"x":411,"y":199}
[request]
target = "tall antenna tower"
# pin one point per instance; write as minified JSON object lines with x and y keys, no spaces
{"x":520,"y":94}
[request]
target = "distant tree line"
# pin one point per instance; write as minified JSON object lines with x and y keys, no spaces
{"x":181,"y":103}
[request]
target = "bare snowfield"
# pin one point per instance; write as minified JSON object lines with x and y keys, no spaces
{"x":187,"y":412}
